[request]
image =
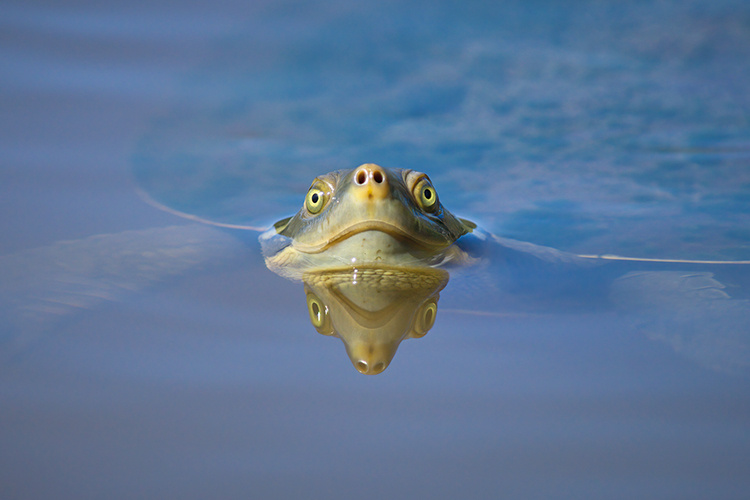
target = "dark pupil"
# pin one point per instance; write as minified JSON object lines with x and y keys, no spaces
{"x":314,"y":198}
{"x":428,"y":193}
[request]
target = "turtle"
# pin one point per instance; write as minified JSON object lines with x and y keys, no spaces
{"x":374,"y":248}
{"x":364,"y":232}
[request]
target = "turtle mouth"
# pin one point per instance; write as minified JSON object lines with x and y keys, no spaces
{"x":394,"y":231}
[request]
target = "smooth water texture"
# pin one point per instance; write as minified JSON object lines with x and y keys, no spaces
{"x":145,"y":355}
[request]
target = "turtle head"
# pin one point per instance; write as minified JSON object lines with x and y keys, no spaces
{"x":367,"y":215}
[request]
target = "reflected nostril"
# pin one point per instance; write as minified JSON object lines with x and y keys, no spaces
{"x":361,"y":367}
{"x":361,"y":177}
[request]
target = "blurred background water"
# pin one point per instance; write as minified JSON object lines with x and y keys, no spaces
{"x":593,"y":127}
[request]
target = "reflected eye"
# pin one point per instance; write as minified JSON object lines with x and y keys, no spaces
{"x":318,"y":314}
{"x":316,"y":199}
{"x":426,"y":195}
{"x":425,"y":318}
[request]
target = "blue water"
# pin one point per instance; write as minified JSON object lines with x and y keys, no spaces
{"x":592,"y":127}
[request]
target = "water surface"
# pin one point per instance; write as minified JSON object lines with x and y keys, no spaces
{"x":592,"y":127}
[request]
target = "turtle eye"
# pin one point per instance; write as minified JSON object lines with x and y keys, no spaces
{"x":426,"y":195}
{"x":316,"y":199}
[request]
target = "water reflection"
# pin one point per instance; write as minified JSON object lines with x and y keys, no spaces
{"x":701,"y":315}
{"x":373,"y":309}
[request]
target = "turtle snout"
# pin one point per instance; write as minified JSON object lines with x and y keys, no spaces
{"x":370,"y":182}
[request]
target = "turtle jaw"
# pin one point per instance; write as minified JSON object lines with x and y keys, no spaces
{"x":365,"y":245}
{"x":381,"y":235}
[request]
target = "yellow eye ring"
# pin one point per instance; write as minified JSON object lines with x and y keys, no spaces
{"x":315,"y":199}
{"x":426,"y":195}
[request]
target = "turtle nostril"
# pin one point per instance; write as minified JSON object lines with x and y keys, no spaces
{"x":361,"y":177}
{"x":361,"y":367}
{"x":377,"y":176}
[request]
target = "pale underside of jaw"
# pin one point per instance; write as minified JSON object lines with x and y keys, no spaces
{"x":375,"y":235}
{"x":372,"y":247}
{"x":359,"y":249}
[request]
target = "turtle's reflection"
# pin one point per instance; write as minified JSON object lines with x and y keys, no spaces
{"x":373,"y":309}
